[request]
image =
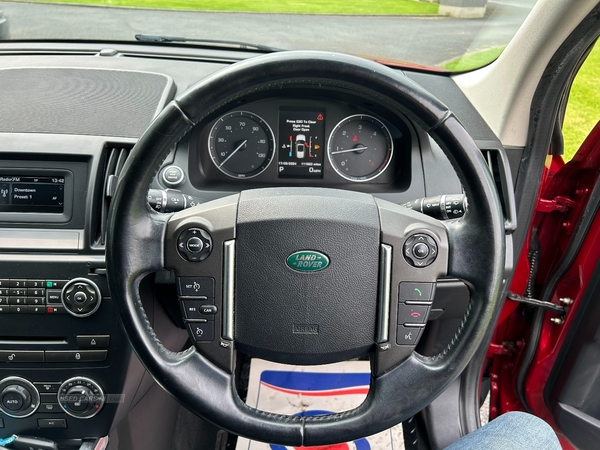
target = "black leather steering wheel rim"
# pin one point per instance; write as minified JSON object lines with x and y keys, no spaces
{"x":135,"y":247}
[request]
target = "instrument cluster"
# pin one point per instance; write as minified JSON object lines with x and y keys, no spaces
{"x":289,"y":141}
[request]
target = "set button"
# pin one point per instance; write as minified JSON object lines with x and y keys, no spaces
{"x":196,"y":287}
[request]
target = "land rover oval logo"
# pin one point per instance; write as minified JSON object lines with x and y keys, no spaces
{"x":307,"y":261}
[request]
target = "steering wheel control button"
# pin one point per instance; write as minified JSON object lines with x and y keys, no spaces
{"x":408,"y":335}
{"x":420,"y":250}
{"x":81,"y":397}
{"x":194,"y":244}
{"x":196,"y":287}
{"x":410,"y":292}
{"x":412,"y":314}
{"x":80,"y":297}
{"x":208,"y":310}
{"x":173,"y":176}
{"x":198,"y":309}
{"x":202,"y":331}
{"x":18,"y":397}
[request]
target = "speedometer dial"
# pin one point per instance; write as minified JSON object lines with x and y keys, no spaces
{"x":241,"y":144}
{"x":360,"y":148}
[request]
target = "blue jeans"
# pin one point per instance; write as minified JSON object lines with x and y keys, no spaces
{"x":510,"y":431}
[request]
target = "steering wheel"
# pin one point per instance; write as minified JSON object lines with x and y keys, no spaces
{"x":261,"y":304}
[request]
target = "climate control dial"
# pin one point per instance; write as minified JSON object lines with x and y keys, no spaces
{"x":81,"y":397}
{"x":18,"y":397}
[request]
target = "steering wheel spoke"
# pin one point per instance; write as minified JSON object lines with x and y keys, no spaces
{"x":200,"y":249}
{"x":414,"y":255}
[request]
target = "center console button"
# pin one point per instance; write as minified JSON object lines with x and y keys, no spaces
{"x":47,"y":388}
{"x":82,"y":356}
{"x":93,"y":341}
{"x":17,"y":283}
{"x":21,"y":356}
{"x":49,"y":408}
{"x":52,"y":423}
{"x":53,"y":296}
{"x":80,"y":297}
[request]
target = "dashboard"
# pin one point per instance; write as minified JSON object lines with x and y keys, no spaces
{"x":60,"y":160}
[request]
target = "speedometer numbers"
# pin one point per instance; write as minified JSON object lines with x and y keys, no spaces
{"x":241,"y":144}
{"x":360,"y":148}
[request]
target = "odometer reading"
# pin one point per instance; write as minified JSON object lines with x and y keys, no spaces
{"x":241,"y":144}
{"x":360,"y":148}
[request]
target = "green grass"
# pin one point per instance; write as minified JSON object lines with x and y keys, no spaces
{"x":583,"y":107}
{"x":473,"y":60}
{"x":373,"y":7}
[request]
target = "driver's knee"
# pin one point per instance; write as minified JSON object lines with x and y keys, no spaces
{"x":511,"y":431}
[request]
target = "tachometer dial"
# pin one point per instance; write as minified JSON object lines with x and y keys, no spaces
{"x":241,"y":144}
{"x":360,"y":148}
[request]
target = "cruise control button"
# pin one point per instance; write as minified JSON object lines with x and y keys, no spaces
{"x":412,"y":314}
{"x":409,"y":291}
{"x":208,"y":310}
{"x":196,"y":287}
{"x":202,"y":332}
{"x":408,"y":335}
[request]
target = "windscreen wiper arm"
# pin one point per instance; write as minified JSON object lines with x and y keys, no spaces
{"x":208,"y":42}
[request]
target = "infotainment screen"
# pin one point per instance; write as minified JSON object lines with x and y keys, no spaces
{"x":43,"y":194}
{"x":301,"y":143}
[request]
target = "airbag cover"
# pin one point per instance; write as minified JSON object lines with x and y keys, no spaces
{"x":312,"y":317}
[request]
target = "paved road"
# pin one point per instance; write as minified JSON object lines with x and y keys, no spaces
{"x":427,"y":40}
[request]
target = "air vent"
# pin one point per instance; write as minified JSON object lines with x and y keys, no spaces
{"x":115,"y":157}
{"x":500,"y":171}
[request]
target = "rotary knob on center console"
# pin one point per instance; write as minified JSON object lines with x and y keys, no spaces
{"x":18,"y":397}
{"x":81,"y":397}
{"x":81,"y":297}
